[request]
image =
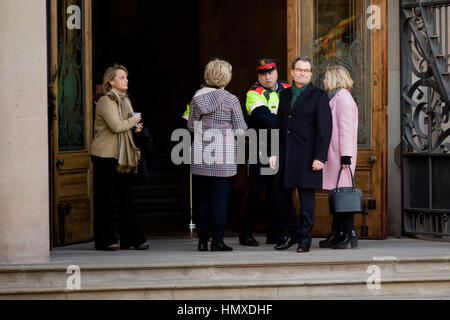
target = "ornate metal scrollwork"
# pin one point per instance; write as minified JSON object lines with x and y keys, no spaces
{"x":425,"y":116}
{"x":426,"y":109}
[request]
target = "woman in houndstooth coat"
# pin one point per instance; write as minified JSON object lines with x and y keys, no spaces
{"x":215,"y":117}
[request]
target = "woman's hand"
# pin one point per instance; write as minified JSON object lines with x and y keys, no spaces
{"x":344,"y":166}
{"x":273,"y":162}
{"x":139,"y":128}
{"x":138,"y":117}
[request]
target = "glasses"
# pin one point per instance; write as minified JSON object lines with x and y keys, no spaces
{"x":302,"y":70}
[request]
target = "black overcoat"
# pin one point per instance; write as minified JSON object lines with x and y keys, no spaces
{"x":305,"y":134}
{"x":144,"y":141}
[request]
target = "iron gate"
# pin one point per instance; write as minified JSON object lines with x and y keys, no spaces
{"x":425,"y":117}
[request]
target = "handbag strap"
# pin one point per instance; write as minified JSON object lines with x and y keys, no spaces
{"x":339,"y":177}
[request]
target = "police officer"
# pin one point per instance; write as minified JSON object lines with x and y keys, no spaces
{"x":185,"y":115}
{"x":262,"y":106}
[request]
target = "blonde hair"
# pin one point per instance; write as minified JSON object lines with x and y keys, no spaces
{"x":338,"y":77}
{"x":218,"y":73}
{"x":109,"y":75}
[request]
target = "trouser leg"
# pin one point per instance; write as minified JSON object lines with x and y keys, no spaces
{"x":283,"y":200}
{"x":275,"y":219}
{"x":104,"y":176}
{"x":250,"y":201}
{"x":130,"y":230}
{"x":220,"y":189}
{"x":307,"y":199}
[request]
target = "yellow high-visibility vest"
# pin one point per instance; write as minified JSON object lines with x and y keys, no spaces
{"x":258,"y":96}
{"x":186,"y":113}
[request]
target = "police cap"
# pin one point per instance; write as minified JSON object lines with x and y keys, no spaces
{"x":266,"y":65}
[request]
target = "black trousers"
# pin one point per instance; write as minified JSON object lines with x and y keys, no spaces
{"x":106,"y":181}
{"x":255,"y":185}
{"x":213,"y":206}
{"x":299,"y":226}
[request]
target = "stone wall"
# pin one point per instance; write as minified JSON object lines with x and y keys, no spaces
{"x":24,"y":180}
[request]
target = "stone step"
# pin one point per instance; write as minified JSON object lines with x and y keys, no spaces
{"x":408,"y":278}
{"x":407,"y":288}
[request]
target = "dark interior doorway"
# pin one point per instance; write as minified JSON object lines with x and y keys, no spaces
{"x":165,"y":48}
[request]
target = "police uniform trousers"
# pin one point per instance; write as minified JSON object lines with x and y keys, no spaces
{"x":107,"y":181}
{"x":255,"y":185}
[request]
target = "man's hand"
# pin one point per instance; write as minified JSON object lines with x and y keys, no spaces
{"x":317,"y":165}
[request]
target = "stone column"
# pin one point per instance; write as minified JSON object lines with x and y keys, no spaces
{"x":24,"y":174}
{"x":394,"y":216}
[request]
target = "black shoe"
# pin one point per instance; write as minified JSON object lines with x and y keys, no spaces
{"x":248,"y":240}
{"x":348,"y":239}
{"x":330,"y":241}
{"x":202,"y":245}
{"x":111,"y":247}
{"x":287,"y":244}
{"x":142,"y":246}
{"x":220,"y":246}
{"x":303,"y":247}
{"x":275,"y":239}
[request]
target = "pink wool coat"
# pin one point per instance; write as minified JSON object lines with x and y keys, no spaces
{"x":344,"y":140}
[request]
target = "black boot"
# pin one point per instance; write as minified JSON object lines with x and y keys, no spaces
{"x":349,"y":234}
{"x":247,"y":239}
{"x":219,"y":245}
{"x":336,"y":233}
{"x":203,"y":238}
{"x":349,"y":238}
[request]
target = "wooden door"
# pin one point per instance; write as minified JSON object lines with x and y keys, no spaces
{"x":352,"y":33}
{"x":70,"y":36}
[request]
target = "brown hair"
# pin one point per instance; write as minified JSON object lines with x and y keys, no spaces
{"x":109,"y":75}
{"x":304,"y":59}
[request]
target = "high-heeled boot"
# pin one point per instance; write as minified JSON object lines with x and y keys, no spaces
{"x":349,"y":234}
{"x":336,"y":233}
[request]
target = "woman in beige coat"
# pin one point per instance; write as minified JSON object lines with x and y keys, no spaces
{"x":115,"y":159}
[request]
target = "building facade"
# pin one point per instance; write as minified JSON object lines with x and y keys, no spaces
{"x":52,"y":54}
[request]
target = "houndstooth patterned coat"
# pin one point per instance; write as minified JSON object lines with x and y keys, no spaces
{"x":215,"y":118}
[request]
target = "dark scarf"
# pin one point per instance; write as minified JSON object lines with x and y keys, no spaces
{"x":332,"y":93}
{"x":296,"y":92}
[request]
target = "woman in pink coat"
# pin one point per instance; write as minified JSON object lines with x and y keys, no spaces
{"x":342,"y":151}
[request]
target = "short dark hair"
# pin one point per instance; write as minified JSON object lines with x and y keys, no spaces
{"x":304,"y":59}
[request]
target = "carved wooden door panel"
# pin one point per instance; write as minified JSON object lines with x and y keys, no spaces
{"x":72,"y":122}
{"x":352,"y":33}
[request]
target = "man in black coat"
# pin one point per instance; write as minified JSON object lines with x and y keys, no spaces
{"x":305,"y":124}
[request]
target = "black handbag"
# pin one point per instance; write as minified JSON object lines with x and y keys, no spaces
{"x":345,"y":199}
